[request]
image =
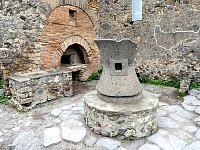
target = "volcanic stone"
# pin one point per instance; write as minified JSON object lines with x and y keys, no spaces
{"x":73,"y":131}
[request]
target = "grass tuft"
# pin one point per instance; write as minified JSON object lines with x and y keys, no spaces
{"x":95,"y":75}
{"x":172,"y":83}
{"x":194,"y":85}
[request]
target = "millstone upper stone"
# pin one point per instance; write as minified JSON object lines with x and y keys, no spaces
{"x":118,"y":81}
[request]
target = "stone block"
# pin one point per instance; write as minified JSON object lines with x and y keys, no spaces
{"x":5,"y":56}
{"x":107,"y":143}
{"x":130,"y":121}
{"x":1,"y":92}
{"x":73,"y":131}
{"x":51,"y":136}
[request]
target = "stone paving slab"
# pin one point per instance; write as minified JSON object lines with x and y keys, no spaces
{"x":27,"y":140}
{"x":51,"y":136}
{"x":73,"y":131}
{"x":108,"y":143}
{"x":149,"y":147}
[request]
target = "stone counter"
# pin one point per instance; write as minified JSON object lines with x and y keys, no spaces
{"x":34,"y":88}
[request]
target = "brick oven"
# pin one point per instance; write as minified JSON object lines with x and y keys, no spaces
{"x":68,"y":42}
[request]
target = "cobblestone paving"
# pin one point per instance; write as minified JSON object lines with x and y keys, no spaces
{"x":61,"y":126}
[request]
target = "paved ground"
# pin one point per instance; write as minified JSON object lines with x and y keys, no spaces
{"x":60,"y":125}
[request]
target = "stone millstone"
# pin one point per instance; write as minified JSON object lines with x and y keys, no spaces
{"x":130,"y":121}
{"x":118,"y":82}
{"x":119,"y":106}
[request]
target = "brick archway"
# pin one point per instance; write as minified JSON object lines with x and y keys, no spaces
{"x":75,"y":39}
{"x":71,"y":40}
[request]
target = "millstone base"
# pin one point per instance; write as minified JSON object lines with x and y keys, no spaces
{"x":126,"y":121}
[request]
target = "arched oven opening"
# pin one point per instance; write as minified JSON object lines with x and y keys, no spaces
{"x":75,"y":60}
{"x":73,"y":56}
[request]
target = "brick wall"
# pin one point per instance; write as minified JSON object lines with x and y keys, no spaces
{"x":64,"y":23}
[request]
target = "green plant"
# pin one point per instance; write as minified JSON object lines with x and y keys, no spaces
{"x":95,"y":75}
{"x":172,"y":83}
{"x":194,"y":85}
{"x":143,"y":79}
{"x":181,"y":94}
{"x":3,"y":99}
{"x":1,"y":84}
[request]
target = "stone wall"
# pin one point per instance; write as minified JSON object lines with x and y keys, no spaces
{"x":168,"y":37}
{"x":20,"y":26}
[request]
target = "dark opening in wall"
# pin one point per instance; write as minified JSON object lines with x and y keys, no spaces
{"x":118,"y":66}
{"x":65,"y":59}
{"x":72,"y":14}
{"x":75,"y":75}
{"x":73,"y":56}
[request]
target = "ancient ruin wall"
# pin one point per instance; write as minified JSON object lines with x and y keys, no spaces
{"x":22,"y":24}
{"x":168,"y":37}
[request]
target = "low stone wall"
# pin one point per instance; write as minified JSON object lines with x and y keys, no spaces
{"x":34,"y":88}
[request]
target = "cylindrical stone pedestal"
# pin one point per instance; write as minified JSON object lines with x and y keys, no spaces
{"x":128,"y":121}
